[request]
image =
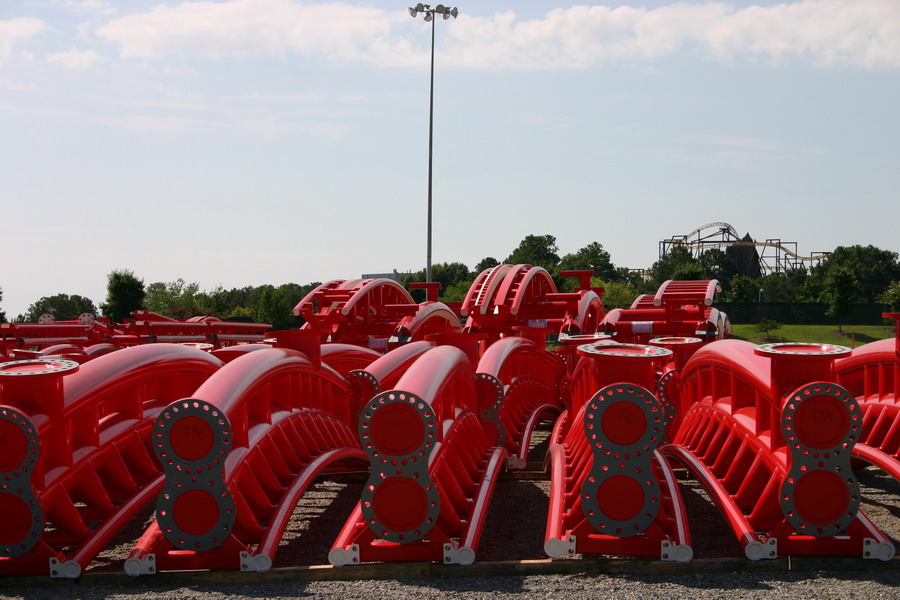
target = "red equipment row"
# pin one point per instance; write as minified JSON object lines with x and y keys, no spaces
{"x":238,"y":435}
{"x":85,"y":338}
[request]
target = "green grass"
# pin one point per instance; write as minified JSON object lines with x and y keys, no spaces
{"x":853,"y":335}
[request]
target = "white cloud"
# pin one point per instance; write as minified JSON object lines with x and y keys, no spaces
{"x":856,"y":33}
{"x":92,"y":6}
{"x":76,"y":60}
{"x":273,"y":27}
{"x":16,"y":30}
{"x":826,"y":33}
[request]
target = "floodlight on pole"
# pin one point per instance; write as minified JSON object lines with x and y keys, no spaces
{"x":428,"y":14}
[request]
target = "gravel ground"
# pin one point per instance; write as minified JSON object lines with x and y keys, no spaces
{"x":513,"y":532}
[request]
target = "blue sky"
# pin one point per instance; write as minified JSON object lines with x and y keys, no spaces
{"x":243,"y":142}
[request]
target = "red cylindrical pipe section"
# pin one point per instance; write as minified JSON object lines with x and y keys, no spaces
{"x":682,"y":348}
{"x":35,"y":386}
{"x":796,"y":364}
{"x":472,"y":344}
{"x":302,"y":340}
{"x":623,"y":363}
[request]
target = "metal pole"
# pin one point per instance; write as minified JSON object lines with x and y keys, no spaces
{"x":430,"y":138}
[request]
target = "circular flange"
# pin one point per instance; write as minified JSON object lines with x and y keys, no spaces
{"x":675,"y":340}
{"x":37,"y":366}
{"x":633,"y":351}
{"x":623,"y":424}
{"x":191,"y":433}
{"x":584,"y":338}
{"x":398,"y":427}
{"x":490,"y":412}
{"x":205,"y":346}
{"x":821,"y":423}
{"x":665,"y":398}
{"x":400,"y":508}
{"x":624,"y":420}
{"x":24,"y":516}
{"x":192,"y":438}
{"x":195,"y":518}
{"x":398,"y":431}
{"x":802,"y":349}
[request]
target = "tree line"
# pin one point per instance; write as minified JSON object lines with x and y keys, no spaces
{"x":850,"y":274}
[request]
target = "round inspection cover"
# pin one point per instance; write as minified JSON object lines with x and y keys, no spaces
{"x":821,"y":416}
{"x":400,"y":426}
{"x":400,"y":504}
{"x":625,"y":419}
{"x":191,"y":433}
{"x":196,"y":512}
{"x":400,"y":509}
{"x":821,"y":497}
{"x":821,"y":421}
{"x":620,"y":497}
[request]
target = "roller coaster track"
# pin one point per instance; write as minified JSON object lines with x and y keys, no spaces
{"x":730,"y":237}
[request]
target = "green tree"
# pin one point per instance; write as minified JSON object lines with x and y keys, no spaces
{"x":456,"y":292}
{"x":124,"y":293}
{"x":688,"y":272}
{"x":873,"y":268}
{"x":592,"y":257}
{"x":538,"y":251}
{"x":781,"y":287}
{"x":447,"y":274}
{"x":741,"y":289}
{"x":175,"y":299}
{"x":840,"y":293}
{"x":62,"y":306}
{"x":2,"y":314}
{"x":616,"y":294}
{"x":664,"y":269}
{"x":273,"y":308}
{"x":891,"y":297}
{"x":767,"y":325}
{"x":487,"y":262}
{"x":715,"y":264}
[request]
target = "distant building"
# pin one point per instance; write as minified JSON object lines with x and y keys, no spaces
{"x":394,"y":275}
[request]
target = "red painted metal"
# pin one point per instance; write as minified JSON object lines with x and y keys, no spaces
{"x":433,"y":467}
{"x":82,"y":460}
{"x":238,"y":455}
{"x":872,"y":374}
{"x":373,"y":313}
{"x":150,"y":327}
{"x":668,"y":384}
{"x":384,"y":373}
{"x":509,"y":296}
{"x":533,"y":385}
{"x":769,"y":435}
{"x":611,"y":491}
{"x":679,"y":308}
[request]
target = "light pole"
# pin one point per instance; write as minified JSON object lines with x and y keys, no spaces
{"x":429,"y":14}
